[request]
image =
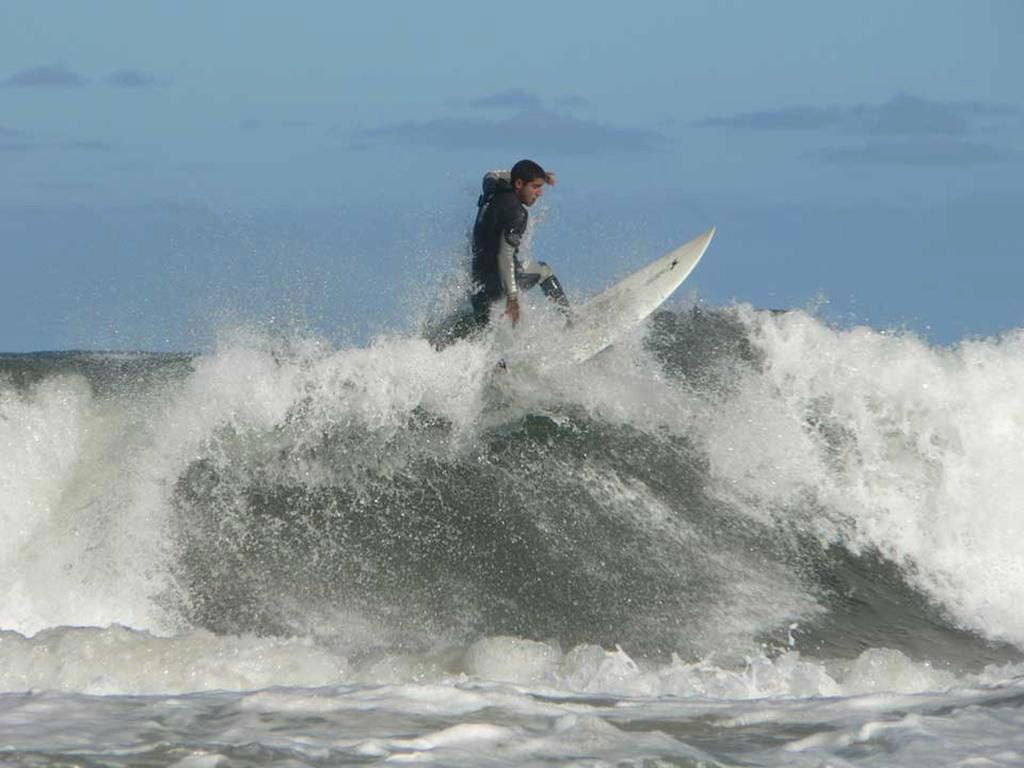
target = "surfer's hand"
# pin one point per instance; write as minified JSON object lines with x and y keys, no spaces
{"x":512,"y":308}
{"x":550,"y":179}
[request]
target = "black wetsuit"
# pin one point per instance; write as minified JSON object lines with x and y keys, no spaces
{"x":498,"y":232}
{"x":501,"y":222}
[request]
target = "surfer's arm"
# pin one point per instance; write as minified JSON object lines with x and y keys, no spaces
{"x":507,"y":267}
{"x":516,"y":219}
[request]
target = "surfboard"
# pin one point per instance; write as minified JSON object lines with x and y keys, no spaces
{"x":600,"y":321}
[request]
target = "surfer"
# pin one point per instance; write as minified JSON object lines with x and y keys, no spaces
{"x":501,"y":266}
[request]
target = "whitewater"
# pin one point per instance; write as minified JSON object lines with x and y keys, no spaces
{"x":736,"y":538}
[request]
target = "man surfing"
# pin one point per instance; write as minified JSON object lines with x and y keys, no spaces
{"x":501,"y":267}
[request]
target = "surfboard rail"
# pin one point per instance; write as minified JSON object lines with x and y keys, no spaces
{"x":601,"y":320}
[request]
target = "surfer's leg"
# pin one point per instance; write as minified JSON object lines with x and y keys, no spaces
{"x":548,"y":283}
{"x":456,"y":326}
{"x":554,"y":291}
{"x":463,"y":323}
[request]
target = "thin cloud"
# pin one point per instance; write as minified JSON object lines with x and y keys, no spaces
{"x":522,"y":99}
{"x":83,"y":145}
{"x":573,"y":102}
{"x":44,"y":77}
{"x":931,"y":152}
{"x":132,"y":78}
{"x":909,"y":115}
{"x":541,"y":129}
{"x":90,"y":146}
{"x":514,"y":98}
{"x":783,"y":119}
{"x":903,"y":115}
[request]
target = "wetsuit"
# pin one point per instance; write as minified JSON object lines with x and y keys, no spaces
{"x":500,"y":267}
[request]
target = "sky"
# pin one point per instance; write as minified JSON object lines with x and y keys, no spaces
{"x":168,"y":170}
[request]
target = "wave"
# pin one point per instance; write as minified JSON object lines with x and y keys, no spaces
{"x":729,"y":481}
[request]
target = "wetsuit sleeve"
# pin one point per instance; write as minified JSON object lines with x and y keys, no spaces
{"x":512,"y":233}
{"x":507,"y":268}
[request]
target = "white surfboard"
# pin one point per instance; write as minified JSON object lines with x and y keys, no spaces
{"x":603,"y":319}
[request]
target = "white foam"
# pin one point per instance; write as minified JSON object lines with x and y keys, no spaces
{"x":910,"y":449}
{"x":511,"y":659}
{"x":884,"y":669}
{"x":120,"y":660}
{"x":42,"y":433}
{"x":65,"y":482}
{"x":595,"y":670}
{"x":589,"y":706}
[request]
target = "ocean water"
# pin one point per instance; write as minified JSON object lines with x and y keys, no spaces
{"x":738,"y":538}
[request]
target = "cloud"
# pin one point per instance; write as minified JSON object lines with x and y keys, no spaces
{"x":522,"y":99}
{"x":44,"y":77}
{"x":537,"y":129}
{"x":905,"y":130}
{"x":16,"y":145}
{"x":573,"y":102}
{"x":515,"y":98}
{"x":903,"y":115}
{"x":132,"y":78}
{"x":90,"y":146}
{"x":933,"y":152}
{"x":786,"y":118}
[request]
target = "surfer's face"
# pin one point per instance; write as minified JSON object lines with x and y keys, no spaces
{"x":529,"y":192}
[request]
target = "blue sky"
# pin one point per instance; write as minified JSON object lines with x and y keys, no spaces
{"x":171,"y":168}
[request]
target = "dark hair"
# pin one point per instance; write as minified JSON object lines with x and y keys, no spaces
{"x":527,"y":170}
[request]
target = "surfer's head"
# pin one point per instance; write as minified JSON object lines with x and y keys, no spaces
{"x":528,"y":180}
